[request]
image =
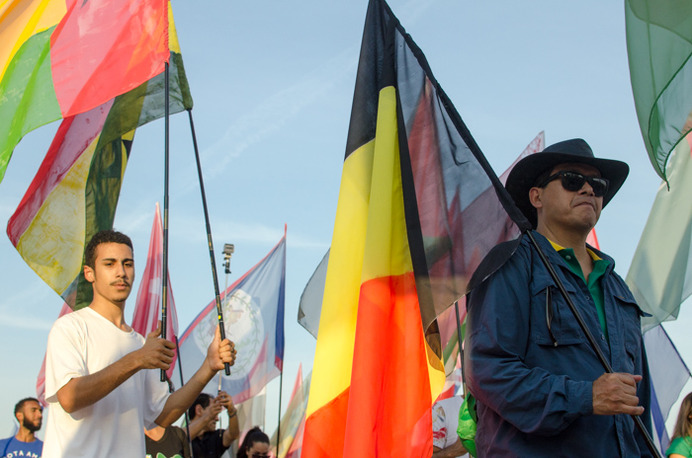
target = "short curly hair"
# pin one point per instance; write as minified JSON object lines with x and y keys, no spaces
{"x":20,"y":405}
{"x":107,"y":236}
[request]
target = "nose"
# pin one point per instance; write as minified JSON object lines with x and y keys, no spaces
{"x":586,"y":189}
{"x":120,"y":270}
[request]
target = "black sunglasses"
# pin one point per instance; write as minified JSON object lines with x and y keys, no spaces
{"x":574,"y":181}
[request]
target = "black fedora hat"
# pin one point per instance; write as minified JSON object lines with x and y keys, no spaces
{"x":524,"y":175}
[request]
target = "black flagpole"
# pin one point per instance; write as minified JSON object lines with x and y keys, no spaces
{"x":164,"y":270}
{"x":461,"y":350}
{"x":592,"y":341}
{"x":278,"y":427}
{"x":219,"y":310}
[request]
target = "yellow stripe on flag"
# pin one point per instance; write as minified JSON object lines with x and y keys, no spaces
{"x":20,"y":20}
{"x":335,"y":339}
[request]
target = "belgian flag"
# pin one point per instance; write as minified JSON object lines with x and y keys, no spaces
{"x":402,"y":251}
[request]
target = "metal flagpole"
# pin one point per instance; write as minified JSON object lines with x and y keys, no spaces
{"x":219,"y":310}
{"x":592,"y":341}
{"x":166,"y":154}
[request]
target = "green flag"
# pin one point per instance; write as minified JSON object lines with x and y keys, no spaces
{"x":661,"y":272}
{"x":659,"y":46}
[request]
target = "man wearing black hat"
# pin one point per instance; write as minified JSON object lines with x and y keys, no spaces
{"x":539,"y":387}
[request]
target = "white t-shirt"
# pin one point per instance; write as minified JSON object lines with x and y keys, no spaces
{"x":82,"y":343}
{"x":445,"y":414}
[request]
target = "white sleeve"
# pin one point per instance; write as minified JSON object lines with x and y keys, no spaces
{"x":156,"y":396}
{"x":65,"y":358}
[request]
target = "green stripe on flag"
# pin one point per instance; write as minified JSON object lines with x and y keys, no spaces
{"x":27,"y":97}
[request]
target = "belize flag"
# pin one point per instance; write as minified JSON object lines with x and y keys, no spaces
{"x":253,"y":311}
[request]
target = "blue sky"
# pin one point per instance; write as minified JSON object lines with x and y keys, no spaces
{"x":273,"y":83}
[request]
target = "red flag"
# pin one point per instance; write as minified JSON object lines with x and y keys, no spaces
{"x":41,"y":379}
{"x":104,"y":49}
{"x":148,"y":305}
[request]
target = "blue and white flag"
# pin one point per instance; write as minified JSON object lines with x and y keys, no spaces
{"x":668,"y":375}
{"x":253,"y":312}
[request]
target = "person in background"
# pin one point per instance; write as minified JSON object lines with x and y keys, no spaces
{"x":207,"y":440}
{"x":681,"y":445}
{"x":168,"y":442}
{"x":255,"y":444}
{"x":29,"y":415}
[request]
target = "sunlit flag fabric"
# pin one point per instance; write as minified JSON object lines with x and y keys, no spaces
{"x":59,"y":58}
{"x":75,"y":191}
{"x":310,"y":305}
{"x":41,"y":378}
{"x":253,"y":312}
{"x":668,"y":376}
{"x":293,"y":417}
{"x":660,"y":275}
{"x":659,"y":47}
{"x":147,"y":313}
{"x":251,"y":412}
{"x":396,"y":258}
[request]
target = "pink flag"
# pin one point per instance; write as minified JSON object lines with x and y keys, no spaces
{"x":148,"y":306}
{"x":592,"y":240}
{"x":41,"y":379}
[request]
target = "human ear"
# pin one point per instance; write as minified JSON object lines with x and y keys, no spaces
{"x":89,"y":274}
{"x":535,"y":195}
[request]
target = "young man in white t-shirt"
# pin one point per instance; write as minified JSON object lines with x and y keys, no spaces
{"x":102,"y":378}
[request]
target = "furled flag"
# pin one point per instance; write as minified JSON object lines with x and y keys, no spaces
{"x":41,"y":378}
{"x":253,"y":311}
{"x":395,"y":263}
{"x":659,"y":45}
{"x":147,"y":314}
{"x":59,"y":58}
{"x":668,"y":376}
{"x":75,"y":191}
{"x":660,"y":275}
{"x":294,"y":416}
{"x":251,"y":413}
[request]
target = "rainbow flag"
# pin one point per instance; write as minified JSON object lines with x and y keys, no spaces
{"x":75,"y":191}
{"x":59,"y":58}
{"x":396,"y":261}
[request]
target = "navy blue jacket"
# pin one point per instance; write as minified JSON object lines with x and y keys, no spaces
{"x":534,"y":389}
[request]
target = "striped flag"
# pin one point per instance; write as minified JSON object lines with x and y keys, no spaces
{"x":75,"y":191}
{"x":293,"y":418}
{"x":396,"y":261}
{"x":147,"y":313}
{"x":59,"y":58}
{"x":668,"y":376}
